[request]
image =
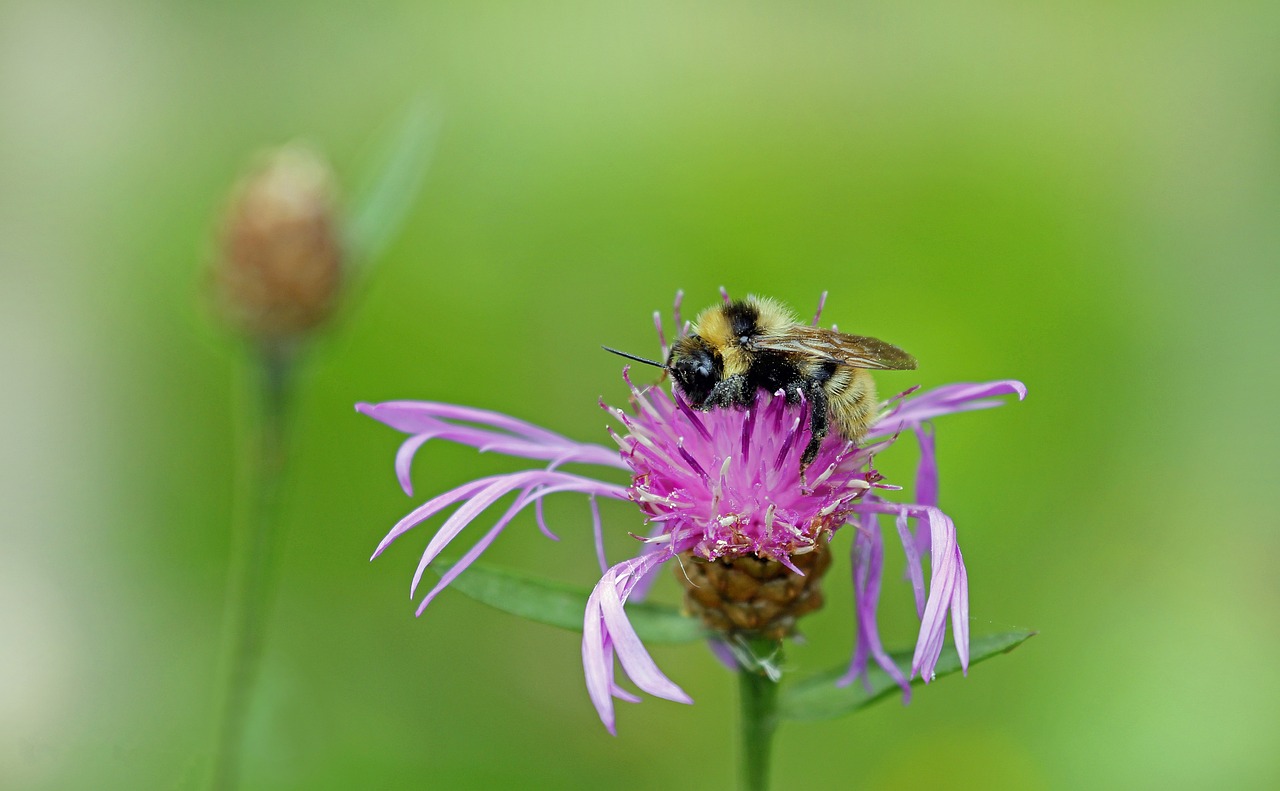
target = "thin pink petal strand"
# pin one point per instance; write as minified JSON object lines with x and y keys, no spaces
{"x":858,"y":663}
{"x":926,"y":484}
{"x":542,"y":522}
{"x":915,"y":572}
{"x":645,"y":581}
{"x":463,"y":517}
{"x":512,"y":437}
{"x":599,"y":535}
{"x":550,"y":482}
{"x":414,"y":416}
{"x":960,"y":612}
{"x":608,"y":665}
{"x":927,"y":471}
{"x":622,"y":694}
{"x":723,"y":653}
{"x":404,"y":460}
{"x":822,"y":303}
{"x":429,"y":509}
{"x":662,"y":336}
{"x":470,"y":557}
{"x":944,"y":401}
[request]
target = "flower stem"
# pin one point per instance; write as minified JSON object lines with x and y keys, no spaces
{"x":254,"y":558}
{"x":758,"y":688}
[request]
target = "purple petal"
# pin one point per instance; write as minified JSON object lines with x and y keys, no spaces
{"x":662,"y":336}
{"x":404,"y":459}
{"x":941,"y":589}
{"x":622,"y":694}
{"x":926,"y":484}
{"x":599,"y":535}
{"x":914,"y":570}
{"x":858,"y":663}
{"x":723,"y":653}
{"x":550,"y":482}
{"x":430,"y":508}
{"x":563,"y":452}
{"x":645,"y":581}
{"x":944,"y":401}
{"x":693,"y":419}
{"x":470,"y":557}
{"x":927,"y":471}
{"x":412,"y":417}
{"x":868,"y":564}
{"x":462,"y":517}
{"x":597,"y":662}
{"x":542,"y":522}
{"x":789,"y":566}
{"x":960,"y":612}
{"x":817,"y":316}
{"x":512,"y":437}
{"x":606,"y":630}
{"x":632,"y":655}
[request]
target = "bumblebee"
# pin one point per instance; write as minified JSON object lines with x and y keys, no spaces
{"x":756,"y":343}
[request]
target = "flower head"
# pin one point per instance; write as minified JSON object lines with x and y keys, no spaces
{"x":280,"y":264}
{"x":724,"y":489}
{"x":728,"y":482}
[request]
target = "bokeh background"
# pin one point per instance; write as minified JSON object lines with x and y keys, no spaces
{"x":1080,"y":195}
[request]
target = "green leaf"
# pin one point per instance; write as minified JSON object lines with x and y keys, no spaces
{"x":391,"y":183}
{"x":818,"y":697}
{"x":560,"y":604}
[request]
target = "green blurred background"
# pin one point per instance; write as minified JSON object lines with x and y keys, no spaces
{"x":1083,"y":196}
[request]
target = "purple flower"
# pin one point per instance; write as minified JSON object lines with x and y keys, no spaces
{"x":722,"y":484}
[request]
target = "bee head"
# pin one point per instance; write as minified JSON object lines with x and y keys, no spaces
{"x":696,"y":368}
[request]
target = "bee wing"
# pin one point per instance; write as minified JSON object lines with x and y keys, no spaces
{"x":855,"y":351}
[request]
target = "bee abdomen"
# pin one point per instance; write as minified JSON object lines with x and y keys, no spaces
{"x":852,"y":402}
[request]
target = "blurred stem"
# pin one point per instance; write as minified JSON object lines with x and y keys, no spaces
{"x":255,"y":553}
{"x":758,"y":689}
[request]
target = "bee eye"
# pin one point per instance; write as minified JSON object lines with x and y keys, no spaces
{"x":744,"y":339}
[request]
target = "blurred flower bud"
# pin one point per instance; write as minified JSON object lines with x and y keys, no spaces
{"x":278,"y":271}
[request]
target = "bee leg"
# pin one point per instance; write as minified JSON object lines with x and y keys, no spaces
{"x":818,"y":423}
{"x":730,"y":391}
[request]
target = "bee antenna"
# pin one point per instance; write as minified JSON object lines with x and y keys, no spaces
{"x":633,"y":357}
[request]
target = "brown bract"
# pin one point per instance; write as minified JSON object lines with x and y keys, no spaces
{"x":279,"y":266}
{"x":750,"y":595}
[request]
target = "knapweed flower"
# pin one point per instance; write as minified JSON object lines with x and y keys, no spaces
{"x":723,"y":494}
